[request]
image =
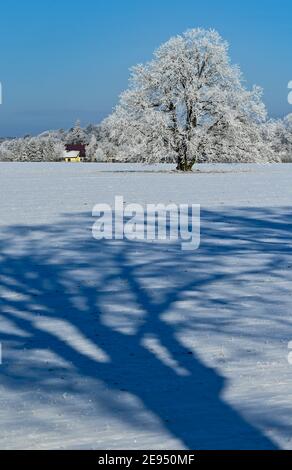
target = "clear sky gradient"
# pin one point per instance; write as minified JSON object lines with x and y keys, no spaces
{"x":68,"y":59}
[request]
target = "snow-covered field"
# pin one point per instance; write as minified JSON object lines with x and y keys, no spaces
{"x":119,"y":344}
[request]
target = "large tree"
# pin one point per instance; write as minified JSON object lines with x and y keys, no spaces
{"x":188,"y":104}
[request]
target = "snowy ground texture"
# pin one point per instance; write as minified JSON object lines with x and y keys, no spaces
{"x":125,"y":345}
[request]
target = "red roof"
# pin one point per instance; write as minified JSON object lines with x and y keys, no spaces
{"x":79,"y":147}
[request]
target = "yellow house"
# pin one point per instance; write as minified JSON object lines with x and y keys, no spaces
{"x":72,"y":157}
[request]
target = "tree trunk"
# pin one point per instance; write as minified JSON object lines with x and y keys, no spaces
{"x":182,"y":161}
{"x":183,"y":165}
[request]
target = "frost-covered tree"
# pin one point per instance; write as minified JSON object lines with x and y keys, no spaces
{"x":52,"y":149}
{"x":188,"y":104}
{"x":272,"y":133}
{"x":92,"y":129}
{"x":77,"y":135}
{"x":35,"y":149}
{"x":278,"y":136}
{"x":100,"y":155}
{"x":287,"y":137}
{"x":6,"y":153}
{"x":16,"y":149}
{"x":91,"y":149}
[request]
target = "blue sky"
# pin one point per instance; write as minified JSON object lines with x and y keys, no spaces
{"x":68,"y":59}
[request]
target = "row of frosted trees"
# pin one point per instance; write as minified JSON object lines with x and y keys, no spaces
{"x":50,"y":146}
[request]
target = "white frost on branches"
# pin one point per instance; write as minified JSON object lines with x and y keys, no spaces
{"x":77,"y":135}
{"x":188,"y":105}
{"x":35,"y":149}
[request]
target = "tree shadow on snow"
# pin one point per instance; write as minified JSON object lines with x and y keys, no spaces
{"x":133,"y":302}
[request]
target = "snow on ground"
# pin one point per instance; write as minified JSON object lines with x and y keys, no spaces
{"x":119,"y":344}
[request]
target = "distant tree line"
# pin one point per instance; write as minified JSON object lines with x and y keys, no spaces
{"x":50,"y":145}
